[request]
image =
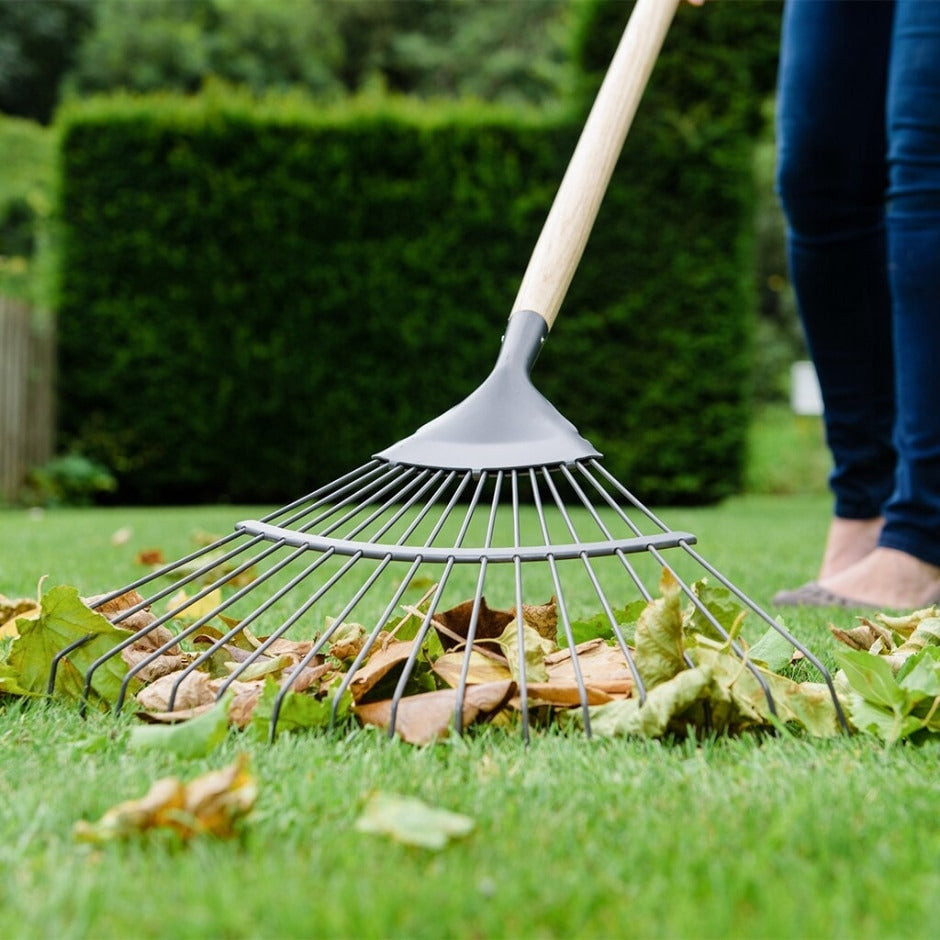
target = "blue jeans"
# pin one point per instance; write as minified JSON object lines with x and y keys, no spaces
{"x":859,"y":181}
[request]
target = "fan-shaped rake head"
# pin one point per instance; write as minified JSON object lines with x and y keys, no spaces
{"x":394,"y":593}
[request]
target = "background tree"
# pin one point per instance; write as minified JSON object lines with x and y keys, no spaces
{"x":38,"y":43}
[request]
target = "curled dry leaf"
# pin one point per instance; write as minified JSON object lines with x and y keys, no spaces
{"x":127,"y":612}
{"x":382,"y":661}
{"x":211,"y":804}
{"x":543,"y":618}
{"x":453,"y":626}
{"x":26,"y":608}
{"x":118,"y":610}
{"x":864,"y":636}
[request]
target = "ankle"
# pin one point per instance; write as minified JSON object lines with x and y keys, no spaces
{"x":848,"y":542}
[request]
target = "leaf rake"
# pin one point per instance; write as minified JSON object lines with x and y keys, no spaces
{"x":498,"y":497}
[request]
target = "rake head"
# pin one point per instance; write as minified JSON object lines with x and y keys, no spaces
{"x":395,"y":592}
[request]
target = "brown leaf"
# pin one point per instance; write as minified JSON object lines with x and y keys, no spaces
{"x":543,"y":618}
{"x":382,"y":661}
{"x":309,"y":676}
{"x":211,"y":804}
{"x":864,"y":636}
{"x":292,"y":650}
{"x":247,"y":696}
{"x":170,"y":661}
{"x":563,"y":694}
{"x":482,"y":669}
{"x":12,"y":610}
{"x":113,"y":610}
{"x":150,"y":557}
{"x":453,"y":626}
{"x":424,"y":718}
{"x":602,"y":666}
{"x":195,"y":690}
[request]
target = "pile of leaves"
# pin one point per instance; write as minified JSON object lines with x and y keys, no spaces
{"x":694,"y":679}
{"x":890,"y":676}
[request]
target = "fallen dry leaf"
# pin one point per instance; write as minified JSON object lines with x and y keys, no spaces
{"x":116,"y":610}
{"x":483,"y":668}
{"x":211,"y":804}
{"x":381,"y":662}
{"x":602,"y":666}
{"x":563,"y":694}
{"x":864,"y":636}
{"x":151,"y":557}
{"x":196,"y":689}
{"x":121,"y":536}
{"x":453,"y":626}
{"x":423,"y":718}
{"x":146,"y":645}
{"x":543,"y":618}
{"x":12,"y":610}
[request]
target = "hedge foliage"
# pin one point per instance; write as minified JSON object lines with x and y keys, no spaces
{"x":256,"y":296}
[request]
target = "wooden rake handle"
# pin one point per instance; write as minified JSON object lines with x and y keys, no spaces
{"x":568,"y":226}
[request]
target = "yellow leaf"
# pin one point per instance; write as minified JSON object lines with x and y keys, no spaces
{"x":195,"y":610}
{"x":211,"y":804}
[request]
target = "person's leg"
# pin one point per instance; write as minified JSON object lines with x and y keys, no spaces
{"x":905,"y":569}
{"x":832,"y":177}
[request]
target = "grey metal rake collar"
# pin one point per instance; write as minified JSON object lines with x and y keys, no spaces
{"x":506,"y":423}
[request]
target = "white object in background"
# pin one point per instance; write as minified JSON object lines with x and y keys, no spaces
{"x":805,"y":397}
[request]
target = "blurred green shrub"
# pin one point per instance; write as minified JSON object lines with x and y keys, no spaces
{"x":257,"y":296}
{"x":67,"y":480}
{"x":27,"y":207}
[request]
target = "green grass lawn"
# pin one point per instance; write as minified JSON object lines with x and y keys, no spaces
{"x":780,"y":837}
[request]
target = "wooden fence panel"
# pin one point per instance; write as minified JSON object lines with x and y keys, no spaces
{"x":27,"y":394}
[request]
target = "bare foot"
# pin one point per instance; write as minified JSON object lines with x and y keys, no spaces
{"x":890,"y":579}
{"x":848,"y":542}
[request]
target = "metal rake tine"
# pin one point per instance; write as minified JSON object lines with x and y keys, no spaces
{"x":710,"y":617}
{"x":193,"y":627}
{"x":471,"y":639}
{"x":562,"y":606}
{"x":361,"y":593}
{"x":477,"y":597}
{"x":645,"y":510}
{"x":254,"y":615}
{"x":523,"y":679}
{"x":602,"y":597}
{"x":429,"y":616}
{"x":408,"y":669}
{"x":592,"y":509}
{"x":403,"y":509}
{"x":344,"y":685}
{"x":380,"y":624}
{"x":389,"y":486}
{"x":337,"y":577}
{"x":171,"y":567}
{"x":326,"y":494}
{"x":132,"y":638}
{"x":304,"y":662}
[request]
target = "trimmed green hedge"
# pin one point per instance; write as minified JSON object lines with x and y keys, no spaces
{"x":258,"y":296}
